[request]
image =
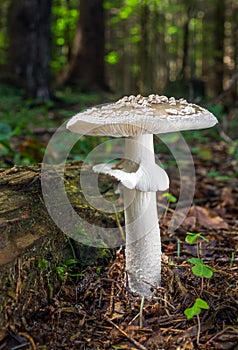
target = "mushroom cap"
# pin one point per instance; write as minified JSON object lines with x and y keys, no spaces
{"x":137,"y":115}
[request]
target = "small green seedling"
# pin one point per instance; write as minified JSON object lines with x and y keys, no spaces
{"x":196,"y":308}
{"x":192,"y":238}
{"x":195,"y":238}
{"x":66,"y":268}
{"x":200,"y":269}
{"x":170,"y":197}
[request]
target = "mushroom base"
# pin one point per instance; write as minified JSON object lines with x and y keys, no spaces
{"x":143,"y":245}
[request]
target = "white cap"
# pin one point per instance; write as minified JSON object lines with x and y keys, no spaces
{"x":137,"y":115}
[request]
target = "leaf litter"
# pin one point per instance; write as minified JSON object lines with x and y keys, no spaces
{"x":97,"y":311}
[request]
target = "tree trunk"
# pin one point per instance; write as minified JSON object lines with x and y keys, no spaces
{"x":29,"y":50}
{"x":87,"y":62}
{"x":218,"y":46}
{"x":145,"y":81}
{"x":235,"y":46}
{"x":185,"y":73}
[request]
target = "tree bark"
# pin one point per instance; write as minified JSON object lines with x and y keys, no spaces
{"x":24,"y":220}
{"x":185,"y":74}
{"x":218,"y":48}
{"x":86,"y":65}
{"x":29,"y":49}
{"x":144,"y":57}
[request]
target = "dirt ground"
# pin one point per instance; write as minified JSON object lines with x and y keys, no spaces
{"x":96,"y":310}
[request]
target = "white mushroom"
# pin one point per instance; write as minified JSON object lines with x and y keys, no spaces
{"x":137,"y":118}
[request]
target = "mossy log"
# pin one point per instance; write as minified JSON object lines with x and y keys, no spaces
{"x":24,"y":219}
{"x":29,"y":236}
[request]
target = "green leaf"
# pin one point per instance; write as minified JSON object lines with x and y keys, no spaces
{"x":192,"y":237}
{"x":190,"y":312}
{"x":195,"y":261}
{"x":71,"y":262}
{"x":196,"y":308}
{"x":170,"y":197}
{"x":43,"y":263}
{"x":202,"y":303}
{"x":112,"y":58}
{"x":202,"y":271}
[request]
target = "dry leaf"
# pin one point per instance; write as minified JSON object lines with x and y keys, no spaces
{"x":206,"y":218}
{"x":226,"y":197}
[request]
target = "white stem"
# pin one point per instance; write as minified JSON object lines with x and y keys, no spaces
{"x":143,"y":245}
{"x":140,"y":148}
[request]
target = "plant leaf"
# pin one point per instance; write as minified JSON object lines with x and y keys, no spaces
{"x":189,"y":313}
{"x":195,"y":261}
{"x":202,"y":270}
{"x":202,"y":303}
{"x":191,"y":239}
{"x":196,"y":308}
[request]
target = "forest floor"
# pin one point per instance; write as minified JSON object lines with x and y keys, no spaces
{"x":96,"y":310}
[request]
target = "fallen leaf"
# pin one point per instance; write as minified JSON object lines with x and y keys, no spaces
{"x":227,"y":197}
{"x":119,"y":311}
{"x":206,"y":218}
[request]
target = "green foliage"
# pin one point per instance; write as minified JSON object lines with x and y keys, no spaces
{"x":192,"y":238}
{"x":19,"y":118}
{"x":65,"y":17}
{"x":64,"y":269}
{"x":196,"y":309}
{"x":200,"y":269}
{"x":218,"y":175}
{"x":28,"y":150}
{"x":218,"y":111}
{"x":43,"y":264}
{"x":5,"y":140}
{"x":112,"y":58}
{"x":67,"y":269}
{"x":5,"y":131}
{"x":170,"y":197}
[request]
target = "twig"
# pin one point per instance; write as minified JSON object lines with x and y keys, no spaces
{"x":220,"y":333}
{"x":18,"y":286}
{"x":141,"y":311}
{"x":119,"y":224}
{"x":199,"y":330}
{"x":138,"y":345}
{"x":110,"y":309}
{"x":28,"y":337}
{"x":17,"y":347}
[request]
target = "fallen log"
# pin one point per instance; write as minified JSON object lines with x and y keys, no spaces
{"x":29,"y":238}
{"x":24,"y":219}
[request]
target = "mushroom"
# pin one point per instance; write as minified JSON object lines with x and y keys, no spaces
{"x":137,"y":118}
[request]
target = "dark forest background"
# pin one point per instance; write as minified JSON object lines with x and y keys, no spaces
{"x":125,"y":46}
{"x":60,"y":56}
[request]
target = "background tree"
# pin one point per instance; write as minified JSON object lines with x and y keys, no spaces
{"x":218,"y":45}
{"x":29,"y":27}
{"x":86,"y":65}
{"x":174,"y":47}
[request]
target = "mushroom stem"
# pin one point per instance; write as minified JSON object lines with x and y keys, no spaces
{"x":143,"y":245}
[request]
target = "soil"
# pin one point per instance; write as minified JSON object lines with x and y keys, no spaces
{"x":92,"y":307}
